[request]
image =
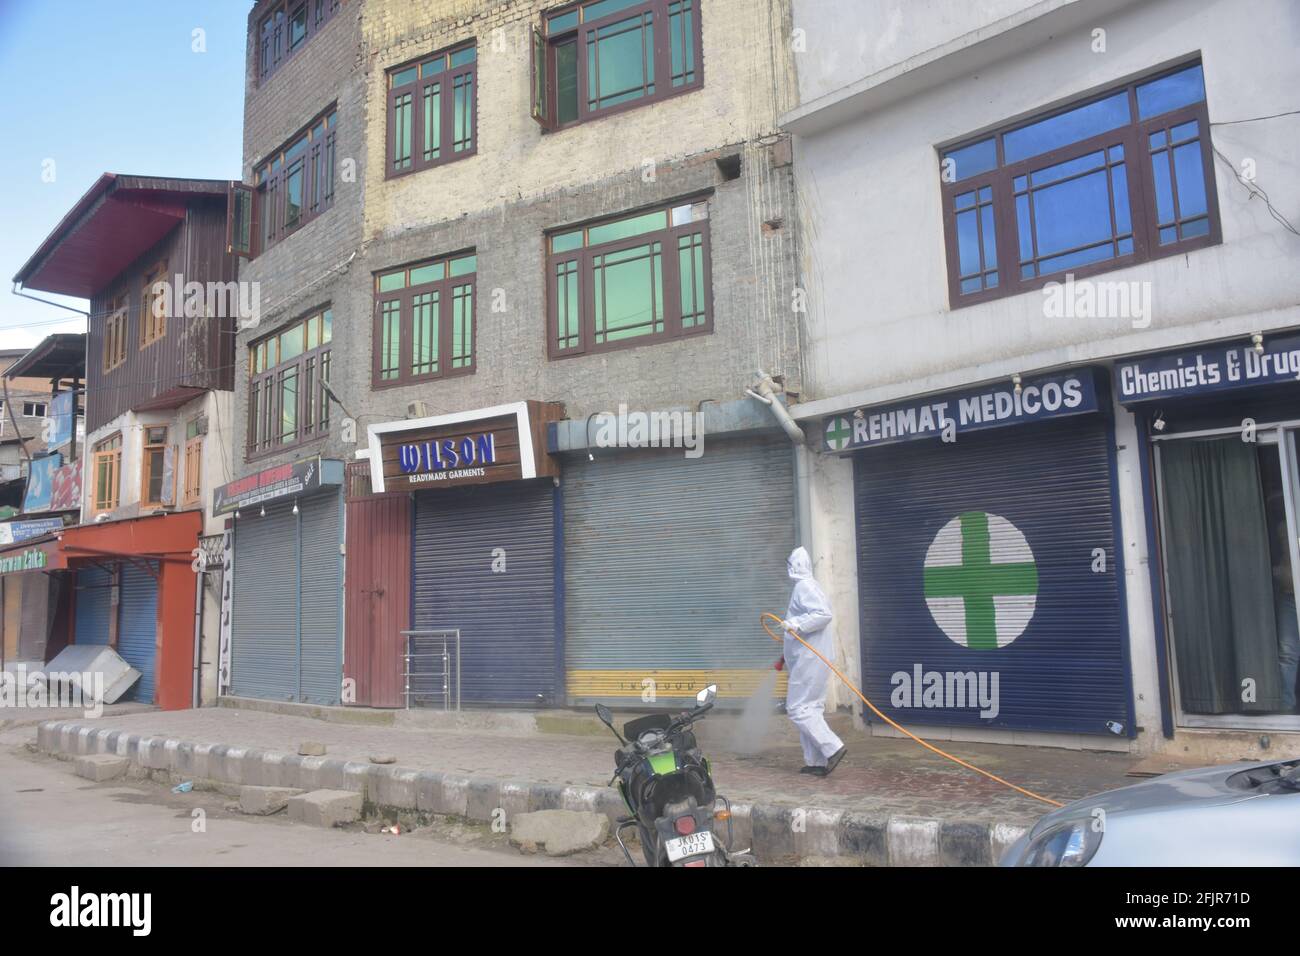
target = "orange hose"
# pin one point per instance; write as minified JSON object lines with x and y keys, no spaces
{"x":901,"y":729}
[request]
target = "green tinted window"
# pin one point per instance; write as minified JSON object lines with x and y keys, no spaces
{"x":464,"y":265}
{"x":391,"y":281}
{"x":428,"y":273}
{"x":627,"y":228}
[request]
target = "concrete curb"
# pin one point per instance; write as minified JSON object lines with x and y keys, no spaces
{"x":774,"y":832}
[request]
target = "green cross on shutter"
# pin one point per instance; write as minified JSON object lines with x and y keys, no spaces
{"x":977,"y":580}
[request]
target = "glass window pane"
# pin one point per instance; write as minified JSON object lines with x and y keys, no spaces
{"x":627,"y":228}
{"x":462,"y":127}
{"x":566,"y":82}
{"x":1024,"y":228}
{"x":432,"y":121}
{"x":428,"y":273}
{"x":628,"y":287}
{"x":1184,"y":132}
{"x":959,"y":164}
{"x":402,"y":77}
{"x":620,"y":62}
{"x":690,"y":265}
{"x":462,"y":326}
{"x":1191,"y":180}
{"x":424,"y":334}
{"x":566,"y":241}
{"x":1080,"y":164}
{"x":601,"y":8}
{"x":293,"y":183}
{"x":968,"y":243}
{"x":464,"y":265}
{"x":289,"y":405}
{"x":461,"y":57}
{"x":681,"y":30}
{"x":327,"y":326}
{"x":291,"y":343}
{"x":1171,"y":92}
{"x":1123,"y":216}
{"x":392,"y":280}
{"x":566,"y":304}
{"x":1073,"y":213}
{"x":561,"y":22}
{"x":402,"y":119}
{"x":297,"y":27}
{"x":313,"y":332}
{"x":1065,"y":128}
{"x":1164,"y":186}
{"x":390,"y":327}
{"x":433,"y":67}
{"x":986,"y":230}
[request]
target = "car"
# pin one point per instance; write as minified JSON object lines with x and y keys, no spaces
{"x":1242,"y":814}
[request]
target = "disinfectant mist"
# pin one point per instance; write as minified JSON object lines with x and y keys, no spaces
{"x":756,"y":719}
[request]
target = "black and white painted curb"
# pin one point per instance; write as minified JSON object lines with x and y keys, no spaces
{"x":774,"y":832}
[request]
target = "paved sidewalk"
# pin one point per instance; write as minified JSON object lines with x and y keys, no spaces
{"x":883,"y":776}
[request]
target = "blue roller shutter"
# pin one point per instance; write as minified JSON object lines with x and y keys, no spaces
{"x":138,"y":627}
{"x":983,"y":557}
{"x":94,"y":605}
{"x":506,"y":619}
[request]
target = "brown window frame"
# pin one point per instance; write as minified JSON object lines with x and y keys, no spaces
{"x":317,"y":142}
{"x":152,"y":327}
{"x":1134,"y":138}
{"x":272,"y":48}
{"x":151,"y":448}
{"x":447,"y":289}
{"x":585,"y":258}
{"x":115,"y":326}
{"x":447,"y":77}
{"x":108,"y":450}
{"x":266,"y":378}
{"x":549,"y":36}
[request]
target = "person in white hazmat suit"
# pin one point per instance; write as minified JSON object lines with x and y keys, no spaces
{"x":809,"y":614}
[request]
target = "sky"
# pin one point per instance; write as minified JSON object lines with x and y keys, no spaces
{"x":96,"y":86}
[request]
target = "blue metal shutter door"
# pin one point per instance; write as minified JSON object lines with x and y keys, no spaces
{"x":264,"y":631}
{"x":322,"y":583}
{"x":506,"y":620}
{"x":94,"y":605}
{"x":138,"y":627}
{"x":980,"y":557}
{"x":669,"y":561}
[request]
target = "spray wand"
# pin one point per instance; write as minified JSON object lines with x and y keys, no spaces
{"x":900,"y":728}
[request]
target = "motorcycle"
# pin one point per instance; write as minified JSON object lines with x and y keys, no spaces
{"x":667,"y":786}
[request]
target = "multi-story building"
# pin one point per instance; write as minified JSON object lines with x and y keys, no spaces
{"x":1051,"y":360}
{"x":477,"y":226}
{"x":151,"y":256}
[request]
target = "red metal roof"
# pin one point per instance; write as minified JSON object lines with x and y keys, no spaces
{"x":117,"y":220}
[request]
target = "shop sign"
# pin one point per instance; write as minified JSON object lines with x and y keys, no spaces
{"x":65,"y":487}
{"x":503,"y":443}
{"x":284,"y":481}
{"x":62,"y":417}
{"x":954,"y":413}
{"x":13,"y":532}
{"x":33,"y":560}
{"x":40,"y":482}
{"x":1204,"y":371}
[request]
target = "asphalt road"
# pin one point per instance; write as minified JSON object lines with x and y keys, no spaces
{"x":50,"y":816}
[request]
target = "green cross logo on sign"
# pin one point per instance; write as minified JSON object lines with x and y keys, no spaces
{"x":981,"y":581}
{"x":838,"y":432}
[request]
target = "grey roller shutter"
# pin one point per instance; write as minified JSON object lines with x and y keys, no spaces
{"x":286,"y":642}
{"x":669,"y":562}
{"x":322,"y":582}
{"x":506,"y":617}
{"x":264,"y":631}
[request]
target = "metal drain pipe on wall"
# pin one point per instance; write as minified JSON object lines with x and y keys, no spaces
{"x":765,"y":391}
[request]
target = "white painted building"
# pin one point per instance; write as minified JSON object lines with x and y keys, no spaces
{"x":1040,"y":240}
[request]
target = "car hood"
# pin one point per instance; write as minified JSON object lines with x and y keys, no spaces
{"x":1207,"y":786}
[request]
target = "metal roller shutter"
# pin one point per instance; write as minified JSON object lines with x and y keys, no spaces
{"x":668,"y":563}
{"x":322,"y":596}
{"x":138,"y":627}
{"x":982,"y":557}
{"x":506,"y":619}
{"x":264,"y":631}
{"x":94,"y":605}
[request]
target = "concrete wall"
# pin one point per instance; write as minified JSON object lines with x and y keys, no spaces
{"x":879,"y":321}
{"x":520,"y":183}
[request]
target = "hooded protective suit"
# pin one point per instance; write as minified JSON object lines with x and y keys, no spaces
{"x":809,"y":613}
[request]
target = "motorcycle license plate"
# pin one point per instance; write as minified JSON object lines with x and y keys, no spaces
{"x":691,"y":845}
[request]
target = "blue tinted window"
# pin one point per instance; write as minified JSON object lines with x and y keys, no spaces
{"x":970,"y":160}
{"x":1171,"y":92}
{"x":1066,"y":128}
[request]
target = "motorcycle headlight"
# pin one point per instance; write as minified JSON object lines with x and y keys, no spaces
{"x":1073,"y":843}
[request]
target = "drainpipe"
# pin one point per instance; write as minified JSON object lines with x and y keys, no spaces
{"x":198,"y":629}
{"x":765,"y":391}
